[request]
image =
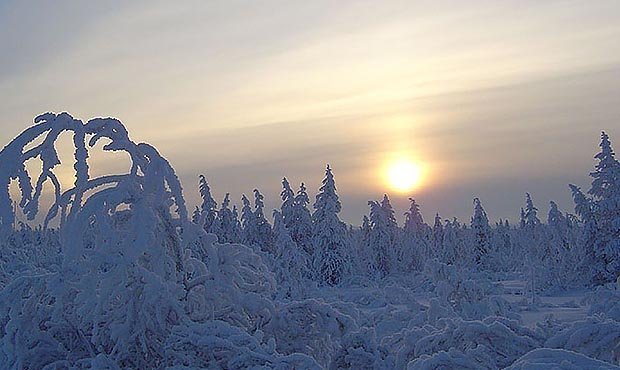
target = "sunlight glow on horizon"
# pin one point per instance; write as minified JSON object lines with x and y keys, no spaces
{"x":403,"y":175}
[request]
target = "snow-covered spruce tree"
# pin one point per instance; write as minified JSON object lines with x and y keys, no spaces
{"x":196,"y":215}
{"x":532,"y":239}
{"x":415,"y":237}
{"x":301,"y":229}
{"x":503,"y":251}
{"x":248,"y":223}
{"x":531,"y":213}
{"x":292,"y":262}
{"x":287,"y":209}
{"x":555,"y":217}
{"x":452,"y":248}
{"x":414,"y":223}
{"x":362,"y":252}
{"x":331,"y":258}
{"x":398,"y":256}
{"x":296,"y":215}
{"x":605,"y":192}
{"x":559,"y":262}
{"x":590,"y":267}
{"x":226,"y":225}
{"x":438,"y":239}
{"x":208,"y":207}
{"x":522,"y":219}
{"x":482,"y":234}
{"x":380,"y":239}
{"x":263,"y":228}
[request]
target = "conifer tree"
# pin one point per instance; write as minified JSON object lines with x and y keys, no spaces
{"x":329,"y":238}
{"x":414,"y":223}
{"x":237,"y":227}
{"x":450,"y":250}
{"x":383,"y":235}
{"x":248,"y":223}
{"x":263,"y":228}
{"x":226,"y":224}
{"x":287,"y":208}
{"x":482,"y":233}
{"x":605,"y":192}
{"x":530,"y":216}
{"x":416,"y":234}
{"x":196,"y":215}
{"x":533,"y":240}
{"x":292,"y":264}
{"x":555,"y":217}
{"x":590,"y":264}
{"x":208,"y":208}
{"x":301,"y":230}
{"x":296,"y":215}
{"x":438,"y":236}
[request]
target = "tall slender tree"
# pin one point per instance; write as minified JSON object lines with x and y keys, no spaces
{"x":482,"y":233}
{"x":383,"y":235}
{"x":292,"y":264}
{"x":208,"y":208}
{"x":263,"y":228}
{"x":248,"y":223}
{"x":438,"y":241}
{"x":287,"y":209}
{"x":331,"y":260}
{"x":416,"y":235}
{"x":605,"y":192}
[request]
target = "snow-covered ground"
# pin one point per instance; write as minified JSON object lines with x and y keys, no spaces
{"x":564,"y":306}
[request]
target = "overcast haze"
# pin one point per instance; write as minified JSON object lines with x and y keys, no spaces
{"x":495,"y":98}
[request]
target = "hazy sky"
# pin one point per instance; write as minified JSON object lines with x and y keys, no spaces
{"x":495,"y":98}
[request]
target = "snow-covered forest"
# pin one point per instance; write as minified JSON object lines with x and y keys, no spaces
{"x":118,"y":273}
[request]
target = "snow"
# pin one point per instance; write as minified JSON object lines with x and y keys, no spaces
{"x":126,"y":280}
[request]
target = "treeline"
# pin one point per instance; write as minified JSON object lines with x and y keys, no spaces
{"x":309,"y":241}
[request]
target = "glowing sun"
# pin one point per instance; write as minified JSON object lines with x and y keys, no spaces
{"x":403,"y":175}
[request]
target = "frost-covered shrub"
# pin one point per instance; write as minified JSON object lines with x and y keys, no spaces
{"x":35,"y":332}
{"x":476,"y":358}
{"x":232,"y":284}
{"x":594,"y":337}
{"x":311,"y":327}
{"x":472,"y":296}
{"x":546,"y":358}
{"x":605,"y":300}
{"x":401,"y":344}
{"x":217,"y":344}
{"x":359,"y":350}
{"x":480,"y":340}
{"x":29,"y":252}
{"x":117,"y":291}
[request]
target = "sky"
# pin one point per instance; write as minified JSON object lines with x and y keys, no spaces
{"x":492,"y":98}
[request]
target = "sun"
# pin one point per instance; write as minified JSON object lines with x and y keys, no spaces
{"x":404,"y":175}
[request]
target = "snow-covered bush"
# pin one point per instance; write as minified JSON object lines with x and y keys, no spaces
{"x":560,"y":359}
{"x":471,"y":295}
{"x":311,"y":327}
{"x":594,"y":337}
{"x":359,"y":350}
{"x":605,"y":300}
{"x":231,"y":284}
{"x":490,"y":343}
{"x":217,"y":344}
